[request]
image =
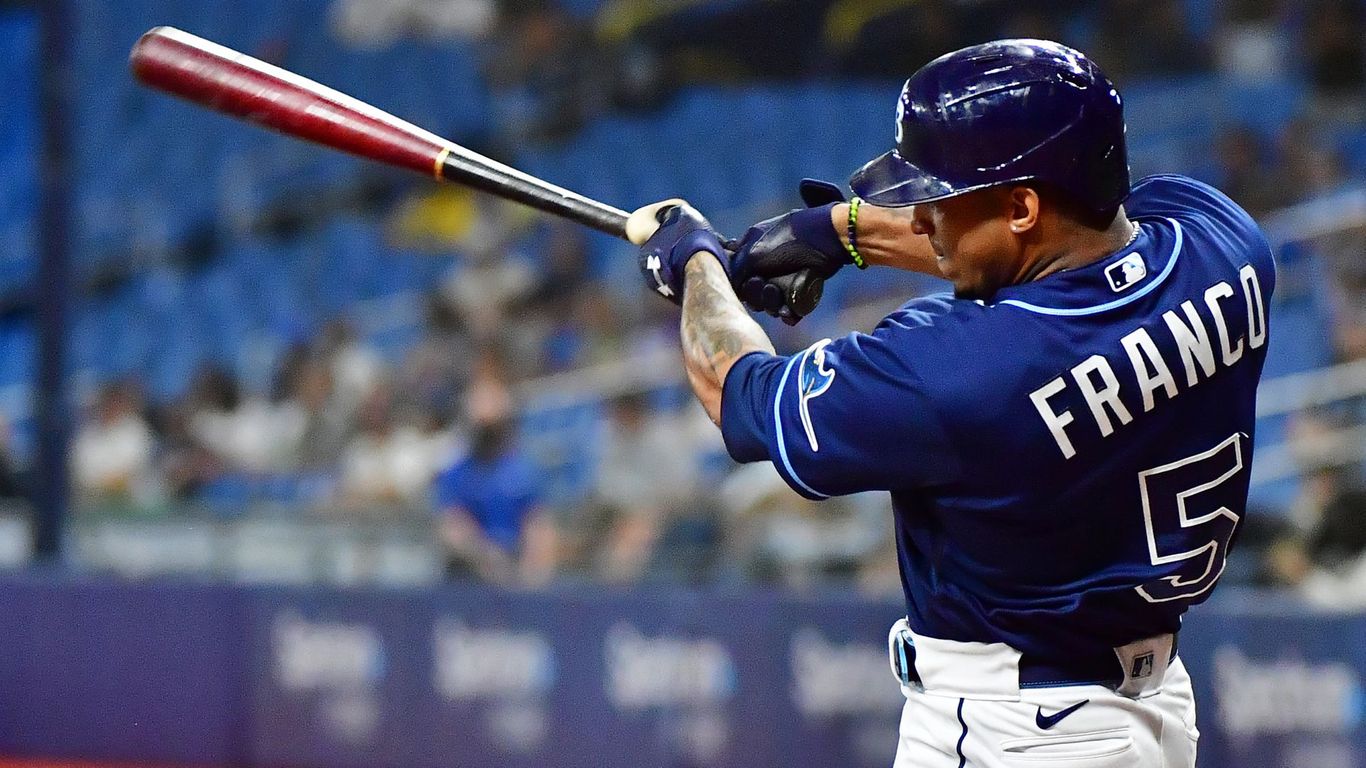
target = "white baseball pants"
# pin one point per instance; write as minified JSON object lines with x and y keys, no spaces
{"x":971,"y":713}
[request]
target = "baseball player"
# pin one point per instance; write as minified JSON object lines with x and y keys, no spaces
{"x":1066,"y":439}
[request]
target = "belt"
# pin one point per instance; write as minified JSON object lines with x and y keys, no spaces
{"x":995,"y":669}
{"x":1100,"y":668}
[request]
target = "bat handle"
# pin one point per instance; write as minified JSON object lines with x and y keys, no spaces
{"x":481,"y":173}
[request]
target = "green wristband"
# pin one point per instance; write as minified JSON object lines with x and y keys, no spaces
{"x":852,"y":230}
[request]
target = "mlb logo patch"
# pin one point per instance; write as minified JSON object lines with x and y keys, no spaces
{"x":1126,"y":272}
{"x":1143,"y":666}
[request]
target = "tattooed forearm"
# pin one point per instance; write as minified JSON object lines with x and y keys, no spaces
{"x":716,"y":331}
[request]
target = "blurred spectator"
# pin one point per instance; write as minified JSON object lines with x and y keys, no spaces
{"x":773,"y":535}
{"x":1335,"y":51}
{"x":1253,"y":44}
{"x":566,"y":266}
{"x":440,"y":220}
{"x":318,"y":424}
{"x":376,"y":24}
{"x":355,"y":367}
{"x":1327,"y":559}
{"x":388,"y":462}
{"x":488,"y":397}
{"x":249,"y":434}
{"x":436,"y":369}
{"x":1245,"y":174}
{"x":1148,"y":38}
{"x":1339,"y":539}
{"x":112,"y":450}
{"x":493,"y":282}
{"x":647,"y":474}
{"x":1347,"y":295}
{"x":492,"y":522}
{"x":184,"y":463}
{"x":1307,"y":164}
{"x":447,"y":220}
{"x":600,"y":325}
{"x":547,"y":76}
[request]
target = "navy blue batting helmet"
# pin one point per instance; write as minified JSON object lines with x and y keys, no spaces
{"x":1002,"y":112}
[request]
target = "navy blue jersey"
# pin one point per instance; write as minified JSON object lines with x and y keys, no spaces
{"x":1069,"y":463}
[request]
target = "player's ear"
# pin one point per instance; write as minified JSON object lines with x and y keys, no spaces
{"x":1023,"y":209}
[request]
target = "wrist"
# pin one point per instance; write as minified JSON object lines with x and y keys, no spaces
{"x":695,"y":262}
{"x":700,"y":256}
{"x":839,"y":218}
{"x":816,"y":227}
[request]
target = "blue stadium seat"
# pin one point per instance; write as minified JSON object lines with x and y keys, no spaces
{"x":17,"y":352}
{"x":1263,"y":106}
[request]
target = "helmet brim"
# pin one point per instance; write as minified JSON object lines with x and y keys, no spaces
{"x":889,"y":181}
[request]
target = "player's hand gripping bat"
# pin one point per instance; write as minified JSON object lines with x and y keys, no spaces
{"x":233,"y":83}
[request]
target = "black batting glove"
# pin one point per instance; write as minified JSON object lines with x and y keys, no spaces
{"x":800,"y":242}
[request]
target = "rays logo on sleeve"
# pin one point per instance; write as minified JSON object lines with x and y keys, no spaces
{"x":813,"y":378}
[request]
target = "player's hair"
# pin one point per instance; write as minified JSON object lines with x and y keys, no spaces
{"x":1072,"y":208}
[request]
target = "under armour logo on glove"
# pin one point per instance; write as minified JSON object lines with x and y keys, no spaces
{"x":682,"y":233}
{"x":652,"y":263}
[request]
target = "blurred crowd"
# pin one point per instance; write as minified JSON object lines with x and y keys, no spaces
{"x":436,"y":440}
{"x":555,"y":69}
{"x":437,"y":435}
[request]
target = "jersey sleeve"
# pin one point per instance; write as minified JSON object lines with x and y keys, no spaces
{"x":840,"y":417}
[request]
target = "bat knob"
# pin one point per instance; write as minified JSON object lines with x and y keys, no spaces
{"x":644,"y":221}
{"x":802,"y":292}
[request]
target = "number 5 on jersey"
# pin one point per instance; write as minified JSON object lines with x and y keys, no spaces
{"x":1182,"y":540}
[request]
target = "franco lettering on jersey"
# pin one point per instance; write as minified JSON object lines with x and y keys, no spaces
{"x":1197,"y":341}
{"x":813,"y":379}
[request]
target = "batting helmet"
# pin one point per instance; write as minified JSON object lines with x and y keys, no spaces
{"x":1001,"y":112}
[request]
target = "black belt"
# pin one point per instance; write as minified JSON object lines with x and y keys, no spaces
{"x":1100,"y":668}
{"x":1097,"y":669}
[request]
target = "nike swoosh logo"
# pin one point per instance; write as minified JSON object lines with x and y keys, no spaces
{"x":1048,"y":721}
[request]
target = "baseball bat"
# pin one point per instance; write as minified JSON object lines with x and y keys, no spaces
{"x":239,"y":85}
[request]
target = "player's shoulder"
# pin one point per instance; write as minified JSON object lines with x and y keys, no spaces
{"x":1190,"y":201}
{"x":926,"y":319}
{"x":936,"y":310}
{"x":1176,"y":190}
{"x":923,"y":330}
